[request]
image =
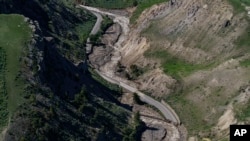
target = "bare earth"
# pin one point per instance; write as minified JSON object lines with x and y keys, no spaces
{"x":199,"y":32}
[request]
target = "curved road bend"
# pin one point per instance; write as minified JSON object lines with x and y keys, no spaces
{"x":94,"y":30}
{"x":123,"y":21}
{"x":147,"y":99}
{"x":98,"y":22}
{"x":167,"y":112}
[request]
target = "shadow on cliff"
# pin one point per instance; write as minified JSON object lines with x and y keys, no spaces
{"x":62,"y":76}
{"x":45,"y":12}
{"x":65,"y":79}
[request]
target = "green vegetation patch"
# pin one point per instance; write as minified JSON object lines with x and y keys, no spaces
{"x":15,"y":32}
{"x":243,"y":41}
{"x":111,"y":4}
{"x":247,"y":2}
{"x":191,"y":115}
{"x":134,"y":133}
{"x":172,"y":65}
{"x":245,"y":63}
{"x":106,"y":23}
{"x":194,"y":107}
{"x":98,"y":78}
{"x":142,"y":5}
{"x":239,"y":5}
{"x":243,"y":112}
{"x":84,"y":29}
{"x":3,"y":93}
{"x":136,"y":71}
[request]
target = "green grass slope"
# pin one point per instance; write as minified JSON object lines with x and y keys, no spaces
{"x":172,"y":65}
{"x":15,"y":32}
{"x":142,"y":5}
{"x":3,"y":94}
{"x":239,"y":5}
{"x":111,"y":4}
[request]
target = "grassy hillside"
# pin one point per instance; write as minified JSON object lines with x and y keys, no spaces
{"x":239,"y":5}
{"x":3,"y":94}
{"x":172,"y":65}
{"x":15,"y":33}
{"x":142,"y":5}
{"x":111,"y":4}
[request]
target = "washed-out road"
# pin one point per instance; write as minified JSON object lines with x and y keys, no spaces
{"x":167,"y":113}
{"x":166,"y":110}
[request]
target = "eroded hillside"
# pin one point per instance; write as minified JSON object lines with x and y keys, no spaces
{"x":201,"y":45}
{"x":195,"y":55}
{"x":192,"y":54}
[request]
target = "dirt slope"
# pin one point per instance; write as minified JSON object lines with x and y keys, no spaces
{"x":199,"y":32}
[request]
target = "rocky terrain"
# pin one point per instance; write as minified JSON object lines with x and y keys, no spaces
{"x":190,"y":54}
{"x":102,"y":52}
{"x":205,"y":34}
